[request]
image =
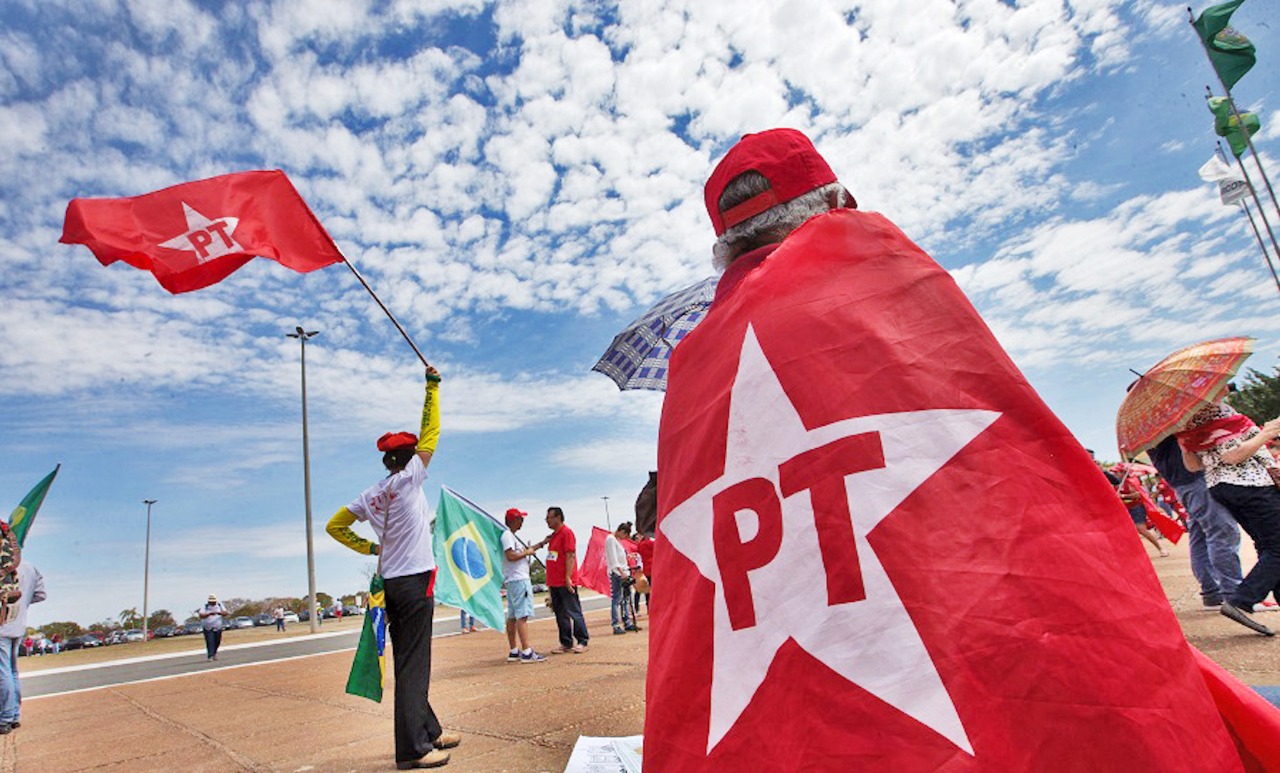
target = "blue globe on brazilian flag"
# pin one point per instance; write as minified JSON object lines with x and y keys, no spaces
{"x":468,"y":551}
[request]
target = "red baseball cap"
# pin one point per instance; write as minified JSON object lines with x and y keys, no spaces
{"x":785,"y":157}
{"x":513,"y":513}
{"x":393,"y":441}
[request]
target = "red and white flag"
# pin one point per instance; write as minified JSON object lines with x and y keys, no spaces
{"x":196,"y":234}
{"x":882,"y":551}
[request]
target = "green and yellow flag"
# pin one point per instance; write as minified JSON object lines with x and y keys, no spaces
{"x":1231,"y":53}
{"x":468,"y":550}
{"x":1226,"y":125}
{"x":369,"y":668}
{"x":25,"y":512}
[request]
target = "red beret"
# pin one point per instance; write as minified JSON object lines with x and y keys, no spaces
{"x":785,"y":157}
{"x":393,"y":441}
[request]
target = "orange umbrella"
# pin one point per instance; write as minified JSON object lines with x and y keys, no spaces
{"x":1164,"y":398}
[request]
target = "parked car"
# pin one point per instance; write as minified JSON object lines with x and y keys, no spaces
{"x":243,"y":621}
{"x":192,"y":626}
{"x":304,"y":616}
{"x":352,"y":610}
{"x":539,"y":588}
{"x":264,"y":619}
{"x":114,"y":637}
{"x":166,"y":631}
{"x":292,"y":617}
{"x":87,"y":641}
{"x":134,"y":634}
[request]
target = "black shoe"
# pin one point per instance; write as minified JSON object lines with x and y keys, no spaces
{"x":5,"y":728}
{"x":618,"y":631}
{"x":635,"y":628}
{"x":1240,"y":616}
{"x":15,"y":724}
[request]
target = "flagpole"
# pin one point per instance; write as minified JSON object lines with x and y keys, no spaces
{"x":1244,"y":206}
{"x":387,"y":311}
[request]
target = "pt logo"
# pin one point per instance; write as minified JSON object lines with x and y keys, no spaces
{"x":782,"y":534}
{"x":207,"y":238}
{"x":820,"y":471}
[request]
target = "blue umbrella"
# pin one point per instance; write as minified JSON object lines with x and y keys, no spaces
{"x":637,"y":358}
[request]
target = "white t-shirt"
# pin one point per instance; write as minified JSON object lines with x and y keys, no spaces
{"x":615,"y":556}
{"x":32,"y":584}
{"x":517,"y":569}
{"x":397,"y":510}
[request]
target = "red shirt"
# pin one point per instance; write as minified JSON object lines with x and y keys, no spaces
{"x":562,"y":543}
{"x":645,"y":548}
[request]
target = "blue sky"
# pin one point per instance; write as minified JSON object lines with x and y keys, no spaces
{"x":518,"y":181}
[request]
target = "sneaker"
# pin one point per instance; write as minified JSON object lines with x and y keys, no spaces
{"x":447,"y":741}
{"x":561,"y":650}
{"x":434,"y":759}
{"x":5,"y":728}
{"x":634,"y":628}
{"x":1266,"y":605}
{"x":578,"y":649}
{"x":513,"y":656}
{"x":1239,"y":615}
{"x":532,"y":657}
{"x":618,"y":631}
{"x":472,"y":629}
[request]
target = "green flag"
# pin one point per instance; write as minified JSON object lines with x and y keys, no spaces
{"x":1230,"y":52}
{"x":368,"y":668}
{"x":468,"y":550}
{"x":1226,"y":125}
{"x":25,"y":512}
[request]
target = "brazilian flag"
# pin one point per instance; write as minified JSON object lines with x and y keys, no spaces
{"x":25,"y":513}
{"x":468,"y":550}
{"x":370,"y":665}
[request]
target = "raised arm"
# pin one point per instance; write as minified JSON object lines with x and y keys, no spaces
{"x":430,"y":432}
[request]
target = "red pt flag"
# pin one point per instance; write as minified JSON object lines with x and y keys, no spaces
{"x":592,"y":572}
{"x":882,"y":551}
{"x":196,"y":234}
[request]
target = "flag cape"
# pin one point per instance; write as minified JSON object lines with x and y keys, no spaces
{"x":593,"y":572}
{"x":999,"y":615}
{"x":25,"y":513}
{"x":468,"y":551}
{"x":1231,"y":53}
{"x":369,"y":668}
{"x":196,"y":234}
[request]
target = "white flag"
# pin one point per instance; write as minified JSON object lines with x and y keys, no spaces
{"x":1216,"y":170}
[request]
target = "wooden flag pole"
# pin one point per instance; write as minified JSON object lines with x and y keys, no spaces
{"x":387,"y":311}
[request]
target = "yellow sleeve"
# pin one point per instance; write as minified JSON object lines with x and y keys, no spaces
{"x":430,"y":432}
{"x":339,"y":529}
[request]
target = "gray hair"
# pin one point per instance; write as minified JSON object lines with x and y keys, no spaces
{"x":773,"y":223}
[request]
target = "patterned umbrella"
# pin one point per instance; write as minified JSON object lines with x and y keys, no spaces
{"x":637,"y":358}
{"x":1165,"y":397}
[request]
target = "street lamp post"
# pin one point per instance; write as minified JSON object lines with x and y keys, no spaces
{"x":146,"y":569}
{"x":302,"y":336}
{"x":606,"y":513}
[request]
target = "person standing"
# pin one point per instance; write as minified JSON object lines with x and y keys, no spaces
{"x":466,"y":622}
{"x":11,"y":635}
{"x":397,"y":510}
{"x":615,"y":559}
{"x":1231,"y":450}
{"x":1214,"y":536}
{"x":515,"y":579}
{"x":278,"y":614}
{"x":562,"y":563}
{"x":211,"y":615}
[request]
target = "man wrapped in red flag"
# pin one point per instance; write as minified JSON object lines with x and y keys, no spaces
{"x":820,"y":607}
{"x":196,"y":234}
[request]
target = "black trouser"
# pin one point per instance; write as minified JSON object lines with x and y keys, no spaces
{"x":410,"y":609}
{"x":1257,"y":510}
{"x":569,"y":620}
{"x":212,"y":639}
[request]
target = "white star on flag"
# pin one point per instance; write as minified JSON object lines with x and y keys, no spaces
{"x":869,"y":640}
{"x":207,"y":238}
